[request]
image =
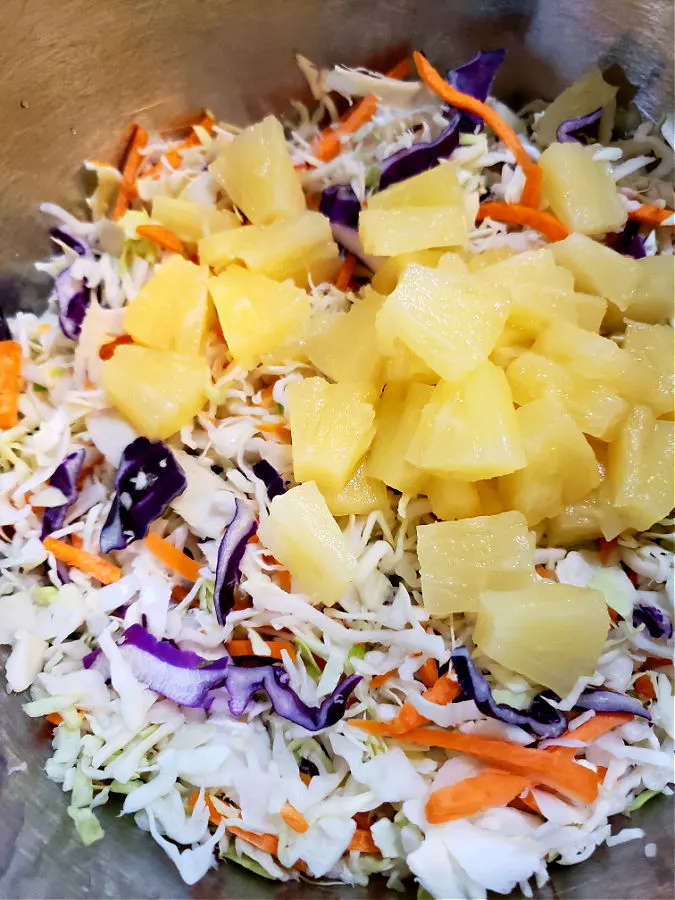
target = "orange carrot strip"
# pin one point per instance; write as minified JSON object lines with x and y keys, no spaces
{"x":10,"y":383}
{"x":96,"y":566}
{"x":444,"y":691}
{"x":327,"y":145}
{"x":606,"y":549}
{"x":519,"y":214}
{"x":538,"y":766}
{"x":362,"y":842}
{"x":502,"y":129}
{"x":284,"y":579}
{"x":132,"y":162}
{"x":305,"y":778}
{"x":644,"y":686}
{"x":473,"y":795}
{"x":242,"y":647}
{"x":107,"y":351}
{"x":54,"y":718}
{"x":344,"y":275}
{"x":179,"y":593}
{"x":76,"y":541}
{"x":172,"y":557}
{"x":378,"y":680}
{"x":544,"y":572}
{"x":161,"y":236}
{"x":650,"y":215}
{"x":428,"y":673}
{"x":294,"y":819}
{"x":594,"y":728}
{"x":277,"y":428}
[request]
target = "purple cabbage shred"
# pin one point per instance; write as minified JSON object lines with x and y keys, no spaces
{"x":64,"y":479}
{"x":230,"y":552}
{"x":565,"y":131}
{"x":270,"y":477}
{"x":656,"y":622}
{"x":604,"y":701}
{"x":340,"y":205}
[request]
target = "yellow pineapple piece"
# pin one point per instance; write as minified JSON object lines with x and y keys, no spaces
{"x":654,"y":299}
{"x":561,"y":467}
{"x":360,"y":495}
{"x":386,"y":278}
{"x":591,"y":310}
{"x":453,"y":264}
{"x":256,"y":314}
{"x":398,"y":414}
{"x":469,"y":430}
{"x":304,"y":537}
{"x":170,"y":311}
{"x":390,"y":232}
{"x":331,"y":429}
{"x":460,"y":559}
{"x":576,"y":523}
{"x":156,"y":390}
{"x":598,"y":269}
{"x":640,"y":471}
{"x":653,"y":345}
{"x":451,"y":323}
{"x":300,"y":247}
{"x":345,"y":347}
{"x":551,"y":633}
{"x":580,"y":191}
{"x":583,"y":96}
{"x":488,"y":494}
{"x":510,"y":344}
{"x":451,"y":499}
{"x":436,"y":187}
{"x":191,"y":221}
{"x":404,"y":365}
{"x":257,"y":172}
{"x":489,"y":257}
{"x":531,"y":267}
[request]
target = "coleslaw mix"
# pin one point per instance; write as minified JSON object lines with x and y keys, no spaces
{"x":188,"y":677}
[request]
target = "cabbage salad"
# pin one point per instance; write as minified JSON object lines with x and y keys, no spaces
{"x":336,"y":485}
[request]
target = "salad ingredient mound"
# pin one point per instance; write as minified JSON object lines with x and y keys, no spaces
{"x":336,"y":485}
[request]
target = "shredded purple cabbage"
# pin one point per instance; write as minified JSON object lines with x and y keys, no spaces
{"x":340,"y":205}
{"x":5,"y":333}
{"x":64,"y":479}
{"x":147,"y":480}
{"x":656,"y":622}
{"x":80,"y":246}
{"x":628,"y":241}
{"x":474,"y":77}
{"x":73,"y":298}
{"x":243,"y":682}
{"x":349,"y":239}
{"x":541,"y":718}
{"x":242,"y":527}
{"x":604,"y":701}
{"x":270,"y":477}
{"x":565,"y":131}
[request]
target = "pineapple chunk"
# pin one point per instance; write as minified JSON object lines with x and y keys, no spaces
{"x":591,"y":310}
{"x":301,"y":248}
{"x":304,"y":537}
{"x":390,"y":232}
{"x":451,"y":323}
{"x":331,"y":429}
{"x":490,"y":504}
{"x":653,"y":300}
{"x":561,"y":467}
{"x":640,"y":471}
{"x":345,"y":348}
{"x":398,"y":415}
{"x":551,"y":633}
{"x":157,"y":391}
{"x":170,"y":311}
{"x":490,"y":257}
{"x":451,"y":499}
{"x":404,"y":365}
{"x":453,"y":264}
{"x":580,"y":190}
{"x":469,"y":430}
{"x":583,"y":96}
{"x":387,"y":276}
{"x":257,"y":314}
{"x":436,"y":187}
{"x":534,"y":306}
{"x":257,"y":173}
{"x":191,"y":221}
{"x":652,"y":345}
{"x":531,"y":267}
{"x":598,"y":269}
{"x":360,"y":495}
{"x":460,"y":559}
{"x":576,"y":523}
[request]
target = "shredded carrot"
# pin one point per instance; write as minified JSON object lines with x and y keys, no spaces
{"x":644,"y":686}
{"x":544,"y":572}
{"x":444,"y":691}
{"x":279,"y":429}
{"x":327,"y":145}
{"x":362,"y":842}
{"x":294,"y":819}
{"x":539,"y":767}
{"x":519,"y":214}
{"x":179,"y":593}
{"x":96,"y":566}
{"x":267,"y":396}
{"x":428,"y":673}
{"x":132,"y":162}
{"x":161,"y":236}
{"x":10,"y":383}
{"x":502,"y":129}
{"x":474,"y":795}
{"x":107,"y":351}
{"x":656,"y":662}
{"x":242,"y":647}
{"x":76,"y":541}
{"x":284,"y":579}
{"x":606,"y":549}
{"x":378,"y":680}
{"x":54,"y":718}
{"x":594,"y":728}
{"x":172,"y":557}
{"x":344,"y":275}
{"x":175,"y":157}
{"x":650,"y":215}
{"x":305,"y":778}
{"x":613,"y":614}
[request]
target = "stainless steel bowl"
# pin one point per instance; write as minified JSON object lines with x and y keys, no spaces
{"x":74,"y":73}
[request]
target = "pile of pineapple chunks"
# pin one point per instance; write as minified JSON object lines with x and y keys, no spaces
{"x":480,"y":381}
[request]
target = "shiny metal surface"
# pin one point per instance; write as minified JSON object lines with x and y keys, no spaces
{"x":73,"y":74}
